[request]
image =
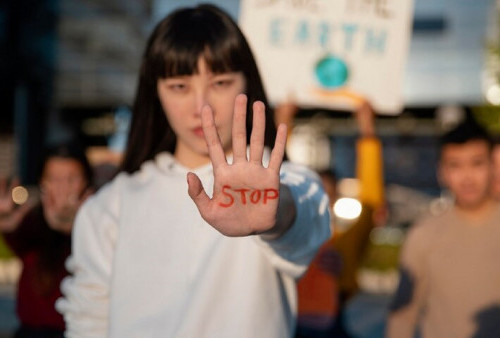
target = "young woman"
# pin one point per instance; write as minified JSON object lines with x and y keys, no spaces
{"x":154,"y":256}
{"x":41,"y":238}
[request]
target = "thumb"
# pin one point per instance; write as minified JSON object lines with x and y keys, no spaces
{"x":197,"y":193}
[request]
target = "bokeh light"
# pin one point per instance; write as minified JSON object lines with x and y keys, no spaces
{"x":347,"y":208}
{"x":20,"y":195}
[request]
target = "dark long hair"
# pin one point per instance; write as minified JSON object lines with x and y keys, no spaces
{"x":173,"y":49}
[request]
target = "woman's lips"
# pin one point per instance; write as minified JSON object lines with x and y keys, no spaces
{"x":198,"y":132}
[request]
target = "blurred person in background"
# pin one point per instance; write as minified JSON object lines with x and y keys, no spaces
{"x":449,"y":275}
{"x":331,"y":280}
{"x":40,"y":236}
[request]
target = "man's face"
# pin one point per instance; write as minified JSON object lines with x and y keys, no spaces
{"x":466,"y":170}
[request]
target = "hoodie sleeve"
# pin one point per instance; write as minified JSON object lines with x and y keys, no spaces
{"x":293,"y":251}
{"x":86,"y":292}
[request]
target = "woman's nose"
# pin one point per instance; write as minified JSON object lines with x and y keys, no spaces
{"x":201,"y":100}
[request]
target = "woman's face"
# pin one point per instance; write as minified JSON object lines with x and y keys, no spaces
{"x":182,"y":98}
{"x":63,"y":176}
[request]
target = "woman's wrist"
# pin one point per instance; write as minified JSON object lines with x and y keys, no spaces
{"x":285,"y":215}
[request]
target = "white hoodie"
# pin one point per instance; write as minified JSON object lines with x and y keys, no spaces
{"x":145,"y":264}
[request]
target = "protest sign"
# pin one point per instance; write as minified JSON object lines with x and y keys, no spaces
{"x":325,"y":52}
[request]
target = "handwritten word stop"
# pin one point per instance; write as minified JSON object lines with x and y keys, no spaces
{"x":253,"y":196}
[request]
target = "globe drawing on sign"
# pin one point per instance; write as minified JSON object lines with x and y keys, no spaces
{"x":331,"y":72}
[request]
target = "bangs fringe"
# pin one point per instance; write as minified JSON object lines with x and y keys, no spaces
{"x":179,"y":54}
{"x":182,"y":61}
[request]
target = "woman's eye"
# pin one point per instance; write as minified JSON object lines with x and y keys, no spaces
{"x":177,"y":86}
{"x":223,"y":82}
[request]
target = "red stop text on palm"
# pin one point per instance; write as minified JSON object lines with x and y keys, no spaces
{"x":247,"y":196}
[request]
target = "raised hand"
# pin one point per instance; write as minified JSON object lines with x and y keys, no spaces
{"x":11,"y":215}
{"x":246,"y":194}
{"x":365,"y":118}
{"x":60,"y":205}
{"x":363,"y":110}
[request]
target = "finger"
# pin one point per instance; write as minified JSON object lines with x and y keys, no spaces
{"x":365,"y":119}
{"x":240,"y":129}
{"x":214,"y":145}
{"x":258,"y":130}
{"x":279,"y":148}
{"x":197,"y":193}
{"x":364,"y":108}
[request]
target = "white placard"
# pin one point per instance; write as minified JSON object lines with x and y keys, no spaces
{"x":315,"y":50}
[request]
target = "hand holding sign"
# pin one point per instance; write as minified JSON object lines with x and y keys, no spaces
{"x":245,"y":198}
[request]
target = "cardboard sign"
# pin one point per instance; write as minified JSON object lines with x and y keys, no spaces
{"x":325,"y":53}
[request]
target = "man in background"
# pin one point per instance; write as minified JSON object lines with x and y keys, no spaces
{"x":449,"y":262}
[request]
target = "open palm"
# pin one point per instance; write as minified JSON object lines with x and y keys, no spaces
{"x":246,"y":194}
